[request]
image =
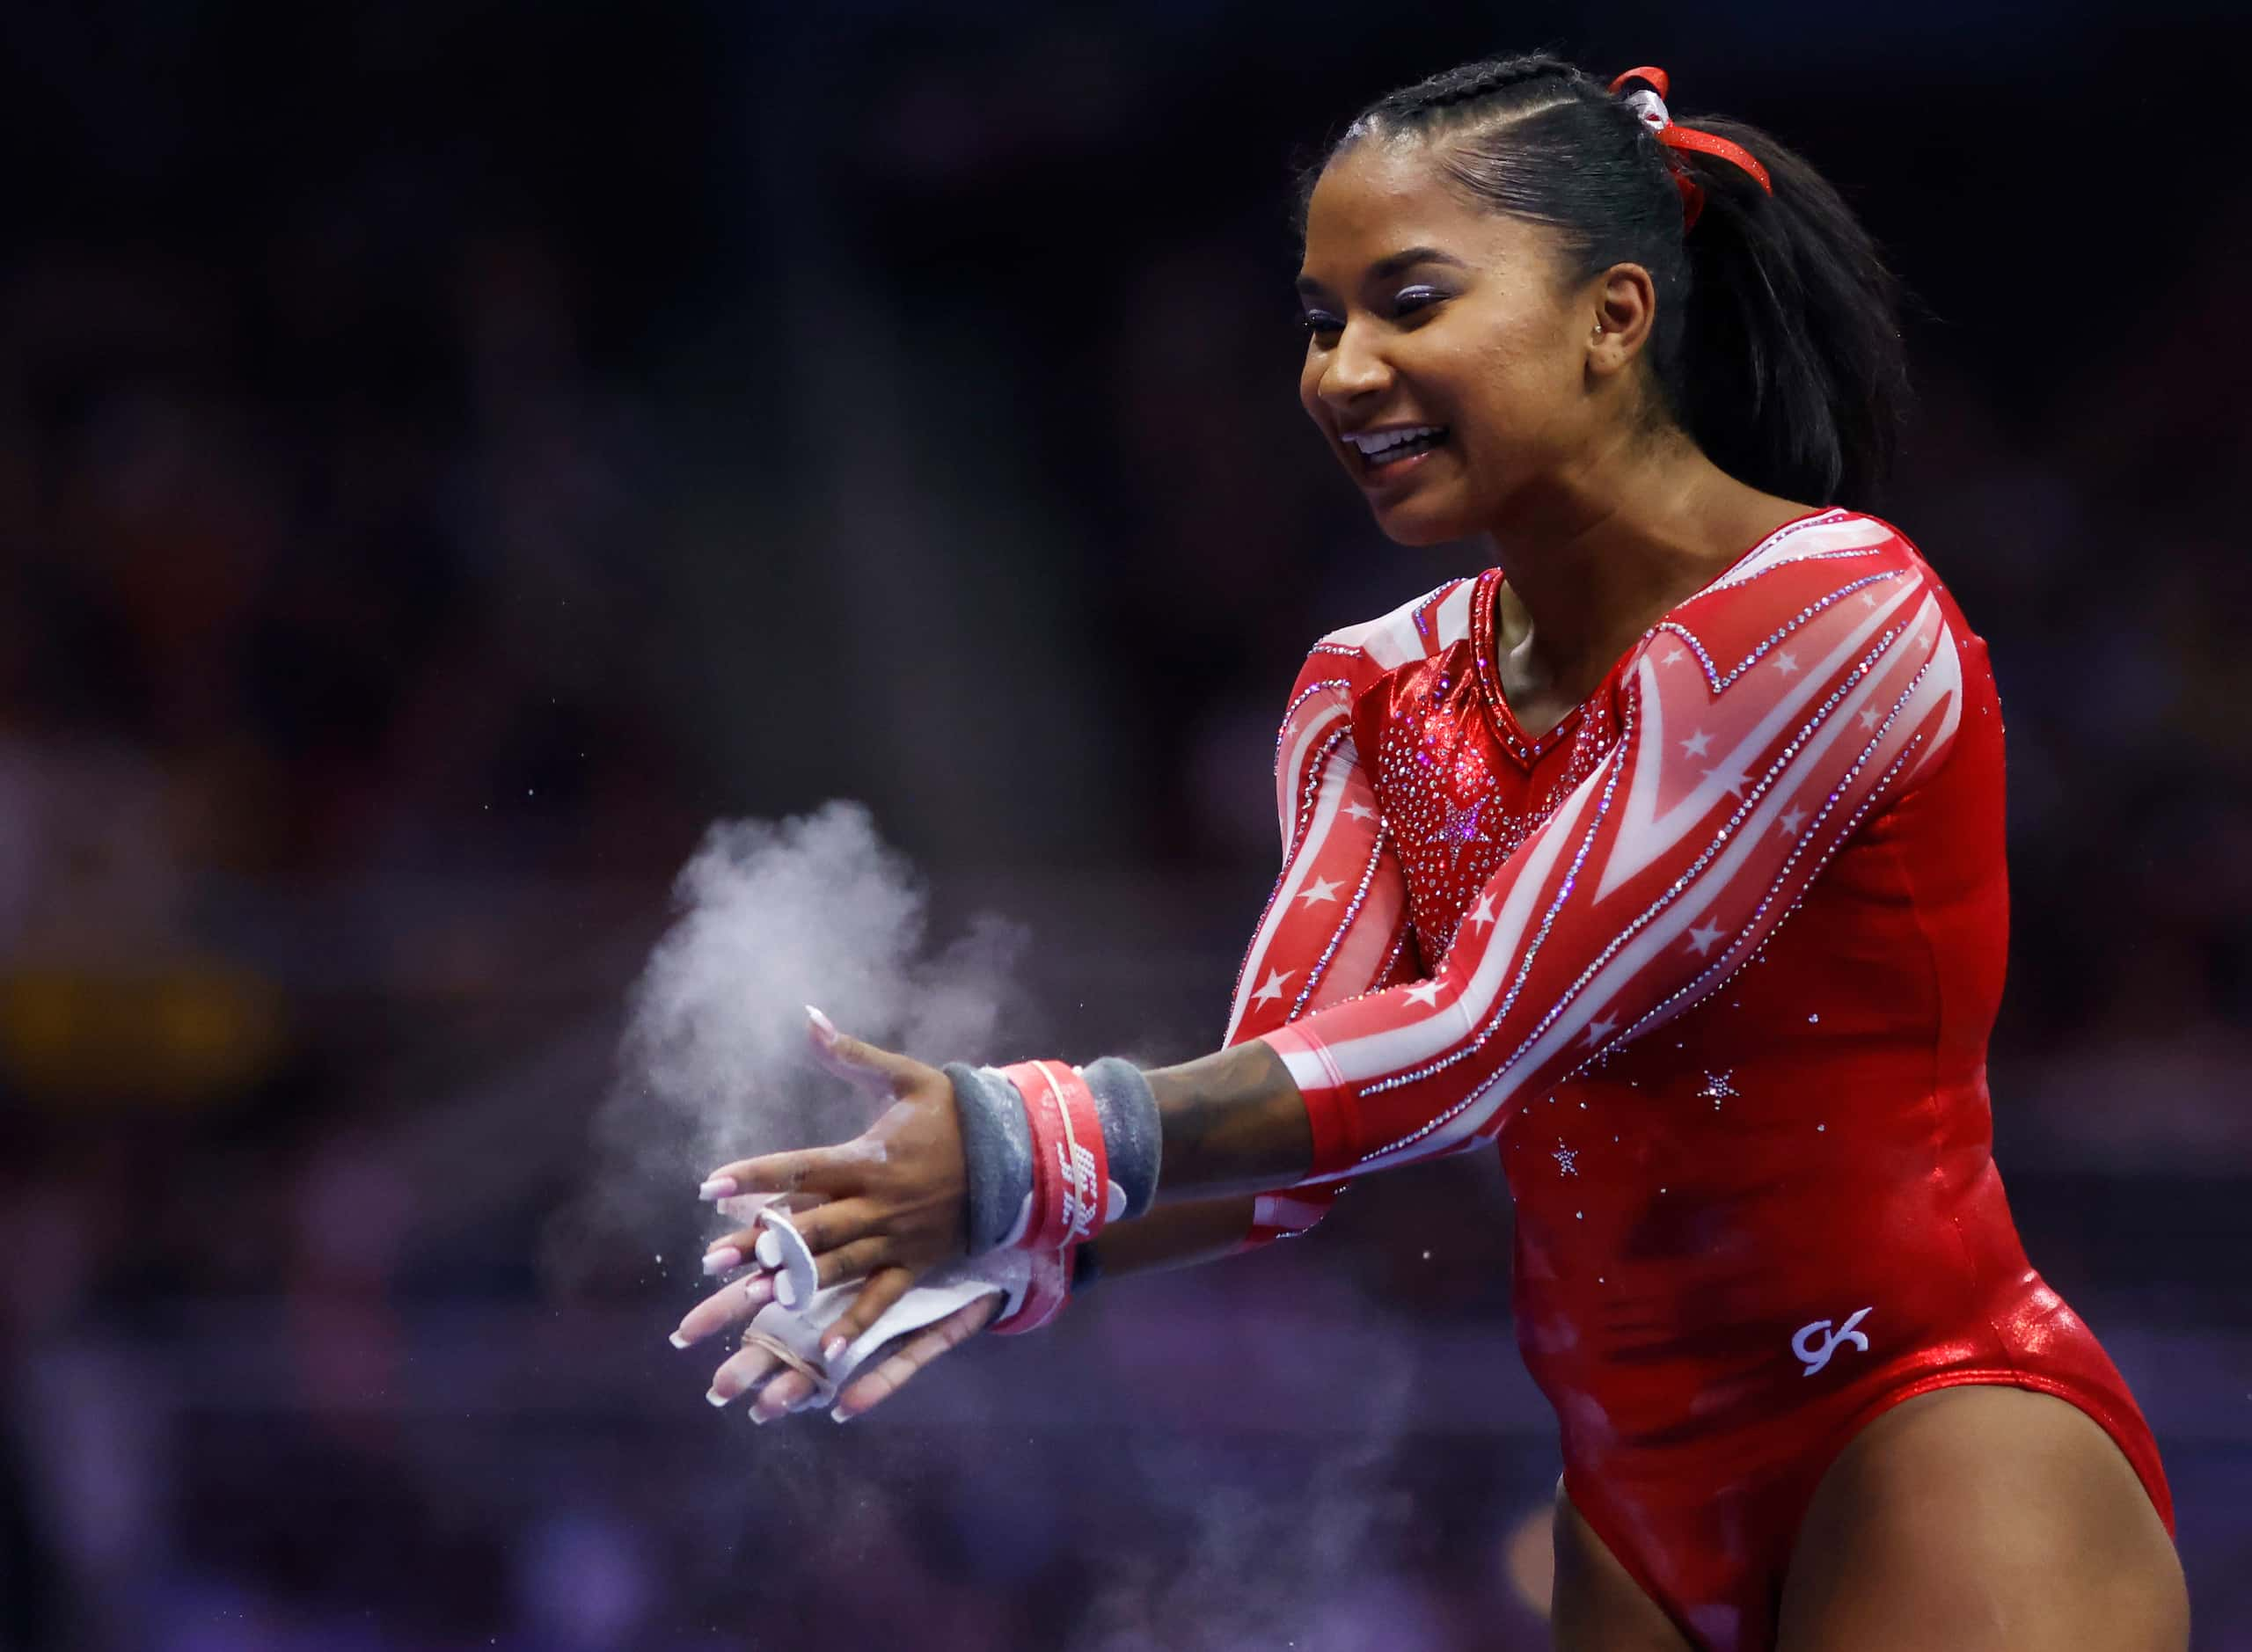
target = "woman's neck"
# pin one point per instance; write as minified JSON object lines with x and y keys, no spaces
{"x":1605,"y":549}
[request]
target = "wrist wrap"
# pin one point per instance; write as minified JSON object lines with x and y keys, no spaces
{"x":996,"y":1110}
{"x":1054,"y":1154}
{"x":1128,"y":1114}
{"x":997,"y":1152}
{"x":1070,"y":1163}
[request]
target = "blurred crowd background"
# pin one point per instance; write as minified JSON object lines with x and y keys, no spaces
{"x":451,"y":454}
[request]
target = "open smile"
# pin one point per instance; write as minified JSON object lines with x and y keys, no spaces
{"x":1393,"y":452}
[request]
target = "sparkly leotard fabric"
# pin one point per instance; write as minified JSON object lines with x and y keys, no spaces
{"x":1711,"y":964}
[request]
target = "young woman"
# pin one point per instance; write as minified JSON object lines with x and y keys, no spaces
{"x":1665,"y":858}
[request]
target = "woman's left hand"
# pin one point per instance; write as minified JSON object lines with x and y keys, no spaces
{"x":894,"y":1196}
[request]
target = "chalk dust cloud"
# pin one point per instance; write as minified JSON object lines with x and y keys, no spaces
{"x":769,"y":917}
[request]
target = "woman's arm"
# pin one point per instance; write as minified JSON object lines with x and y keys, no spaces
{"x":1762,"y":723}
{"x":1335,"y":926}
{"x":1754,"y":744}
{"x":1752,"y":750}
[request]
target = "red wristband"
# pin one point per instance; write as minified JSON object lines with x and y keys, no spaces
{"x":1070,"y":1167}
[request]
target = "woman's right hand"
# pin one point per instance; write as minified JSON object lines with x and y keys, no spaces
{"x":779,"y":1390}
{"x":880,"y":1378}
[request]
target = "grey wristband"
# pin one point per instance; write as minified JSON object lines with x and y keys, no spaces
{"x":997,"y":1148}
{"x":1129,"y":1113}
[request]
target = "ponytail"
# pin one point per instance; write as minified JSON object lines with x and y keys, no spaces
{"x":1775,"y":344}
{"x":1791,"y":374}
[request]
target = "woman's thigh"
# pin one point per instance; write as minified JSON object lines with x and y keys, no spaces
{"x":1598,"y":1606}
{"x":1983,"y":1519}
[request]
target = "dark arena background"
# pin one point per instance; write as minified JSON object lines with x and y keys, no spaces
{"x":452,"y":455}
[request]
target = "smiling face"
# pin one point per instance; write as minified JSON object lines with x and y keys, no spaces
{"x":1451,"y":359}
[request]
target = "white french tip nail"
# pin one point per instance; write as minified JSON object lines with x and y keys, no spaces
{"x":715,"y":1397}
{"x":724,"y":1260}
{"x":768,"y":1249}
{"x":677,"y":1340}
{"x":826,"y":1027}
{"x":832,"y":1348}
{"x":837,"y":1414}
{"x":718,"y":1188}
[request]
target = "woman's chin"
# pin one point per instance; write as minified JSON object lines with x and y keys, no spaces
{"x":1411,"y":522}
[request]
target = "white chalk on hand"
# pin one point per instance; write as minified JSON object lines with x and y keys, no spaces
{"x":804,"y":1329}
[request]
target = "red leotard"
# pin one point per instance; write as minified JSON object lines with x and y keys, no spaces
{"x":1756,"y":1202}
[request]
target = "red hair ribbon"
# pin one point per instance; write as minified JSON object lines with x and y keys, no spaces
{"x":1649,"y":108}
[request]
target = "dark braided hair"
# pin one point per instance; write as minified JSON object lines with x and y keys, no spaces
{"x":1775,"y":345}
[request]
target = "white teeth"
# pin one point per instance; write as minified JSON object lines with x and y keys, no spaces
{"x":1375,"y":442}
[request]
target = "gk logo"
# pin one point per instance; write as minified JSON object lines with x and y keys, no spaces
{"x":1814,"y":1358}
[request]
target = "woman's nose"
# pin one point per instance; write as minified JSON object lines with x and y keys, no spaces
{"x":1353,"y":370}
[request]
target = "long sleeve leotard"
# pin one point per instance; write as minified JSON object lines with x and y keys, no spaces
{"x":1713,"y":964}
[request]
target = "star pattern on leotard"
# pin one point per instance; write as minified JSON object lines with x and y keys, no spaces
{"x":1461,"y":830}
{"x":1457,"y":805}
{"x":1716,"y":1088}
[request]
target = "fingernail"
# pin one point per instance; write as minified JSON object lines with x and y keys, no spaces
{"x":677,"y":1340}
{"x":723,"y":1260}
{"x":840,"y":1415}
{"x":715,"y":1397}
{"x":832,"y":1348}
{"x":822,"y":1025}
{"x":768,"y":1249}
{"x":758,"y":1416}
{"x":758,"y":1288}
{"x":718,"y":1188}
